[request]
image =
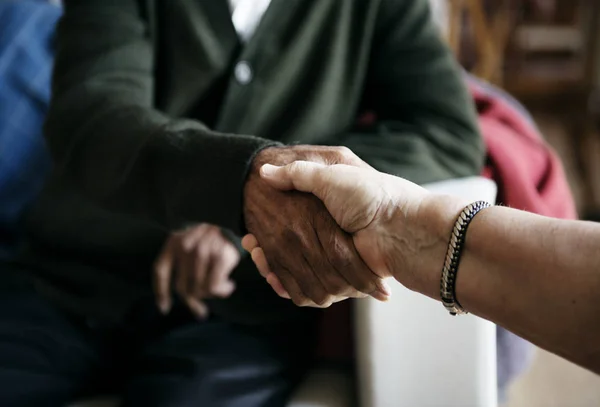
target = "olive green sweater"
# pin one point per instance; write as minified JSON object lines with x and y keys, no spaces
{"x":158,"y":110}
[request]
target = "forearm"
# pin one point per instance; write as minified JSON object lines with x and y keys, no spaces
{"x":115,"y":147}
{"x":536,"y":276}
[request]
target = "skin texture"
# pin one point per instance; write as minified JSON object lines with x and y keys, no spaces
{"x":313,"y":258}
{"x":362,"y":189}
{"x":197,"y":262}
{"x":536,"y":276}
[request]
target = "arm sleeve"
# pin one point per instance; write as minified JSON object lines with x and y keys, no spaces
{"x":425,"y":127}
{"x":110,"y":142}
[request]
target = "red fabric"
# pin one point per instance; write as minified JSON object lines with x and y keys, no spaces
{"x":527,"y":171}
{"x":529,"y":176}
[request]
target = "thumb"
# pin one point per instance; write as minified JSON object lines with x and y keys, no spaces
{"x":303,"y":176}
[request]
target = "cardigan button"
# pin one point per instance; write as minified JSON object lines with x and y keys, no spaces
{"x":243,"y":73}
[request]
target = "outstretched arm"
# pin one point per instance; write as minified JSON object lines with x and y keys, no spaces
{"x":536,"y":276}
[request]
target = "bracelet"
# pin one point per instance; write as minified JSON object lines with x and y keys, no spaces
{"x":450,"y":270}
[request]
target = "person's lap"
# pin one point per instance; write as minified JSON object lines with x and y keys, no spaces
{"x":47,"y":358}
{"x":44,"y":358}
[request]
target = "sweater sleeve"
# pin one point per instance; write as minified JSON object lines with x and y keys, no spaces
{"x":110,"y":142}
{"x":425,"y":126}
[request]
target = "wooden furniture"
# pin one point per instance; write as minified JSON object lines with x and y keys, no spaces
{"x":551,"y":51}
{"x":478,"y":33}
{"x":547,"y":54}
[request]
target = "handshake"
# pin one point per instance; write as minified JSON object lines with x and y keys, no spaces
{"x":323,"y":226}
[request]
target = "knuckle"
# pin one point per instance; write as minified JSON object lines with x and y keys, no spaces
{"x":340,"y":257}
{"x":326,"y":305}
{"x":294,"y":234}
{"x":344,"y":153}
{"x":292,"y":168}
{"x":213,"y":231}
{"x":335,"y":285}
{"x":320,"y":298}
{"x":325,"y":301}
{"x":296,"y":167}
{"x":302,"y":302}
{"x":177,"y":237}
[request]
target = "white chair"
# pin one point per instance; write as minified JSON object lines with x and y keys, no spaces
{"x":410,"y":351}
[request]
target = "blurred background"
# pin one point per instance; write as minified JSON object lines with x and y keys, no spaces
{"x":545,"y":53}
{"x":543,"y":56}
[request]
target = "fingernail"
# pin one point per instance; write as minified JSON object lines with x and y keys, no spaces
{"x":268,"y":170}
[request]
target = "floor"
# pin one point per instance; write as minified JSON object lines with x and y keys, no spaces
{"x":551,"y":381}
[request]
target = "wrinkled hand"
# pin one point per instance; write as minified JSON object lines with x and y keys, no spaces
{"x":373,"y":207}
{"x":199,"y":261}
{"x":312,"y":257}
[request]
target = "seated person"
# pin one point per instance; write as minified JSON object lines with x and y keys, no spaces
{"x":162,"y":113}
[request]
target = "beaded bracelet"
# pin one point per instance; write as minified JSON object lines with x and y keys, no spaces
{"x":450,"y":270}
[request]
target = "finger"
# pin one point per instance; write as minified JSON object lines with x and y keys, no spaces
{"x":196,"y":307}
{"x":219,"y":270}
{"x":343,"y":256}
{"x":249,"y":242}
{"x":305,"y":274}
{"x":302,"y":285}
{"x":292,"y":287}
{"x":277,"y":286}
{"x":334,"y":282}
{"x":260,"y":261}
{"x":163,"y":270}
{"x":197,"y":267}
{"x":280,"y":291}
{"x":184,"y":271}
{"x":303,"y":176}
{"x":192,"y":236}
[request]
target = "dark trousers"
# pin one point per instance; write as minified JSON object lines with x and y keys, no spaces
{"x":50,"y":359}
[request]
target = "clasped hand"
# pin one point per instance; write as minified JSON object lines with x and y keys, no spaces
{"x":314,"y":259}
{"x":197,"y":262}
{"x":374,"y":210}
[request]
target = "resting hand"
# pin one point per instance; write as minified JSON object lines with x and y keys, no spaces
{"x":199,"y":260}
{"x":364,"y":202}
